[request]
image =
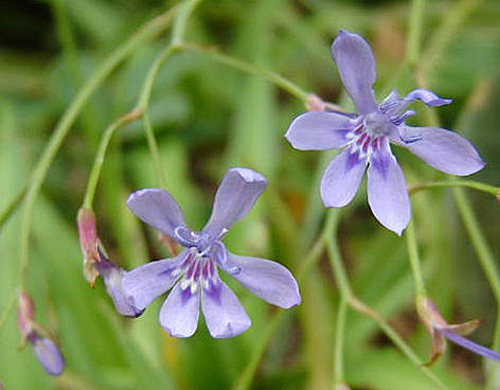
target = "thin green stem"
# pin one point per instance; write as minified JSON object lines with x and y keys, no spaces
{"x":340,"y":275}
{"x":486,"y":260}
{"x":153,"y":147}
{"x":475,"y":185}
{"x":491,"y":377}
{"x":101,"y":152}
{"x":482,"y":248}
{"x":360,"y":307}
{"x":13,"y":205}
{"x":411,"y":242}
{"x":179,"y":28}
{"x":338,"y":367}
{"x":243,"y":66}
{"x":148,"y":31}
{"x":338,"y":270}
{"x":246,"y":377}
{"x":147,"y":88}
{"x":8,"y":308}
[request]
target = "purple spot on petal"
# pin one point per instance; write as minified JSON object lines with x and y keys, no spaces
{"x":186,"y":295}
{"x":352,"y":161}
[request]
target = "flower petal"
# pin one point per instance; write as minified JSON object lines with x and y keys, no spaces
{"x":319,"y":131}
{"x":342,"y":178}
{"x":113,"y":277}
{"x":470,"y":345}
{"x":442,"y":149}
{"x":48,"y":355}
{"x":235,"y":197}
{"x":267,"y":279}
{"x":157,"y":208}
{"x":387,"y":193}
{"x":354,"y":58}
{"x":145,"y":283}
{"x":224,"y":315}
{"x":428,"y":97}
{"x":180,"y":311}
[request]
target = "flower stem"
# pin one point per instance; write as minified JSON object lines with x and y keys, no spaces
{"x":101,"y":152}
{"x":243,"y":66}
{"x":346,"y":293}
{"x":486,"y":260}
{"x":475,"y":185}
{"x":149,"y":30}
{"x":175,"y":45}
{"x":153,"y":147}
{"x":13,"y":205}
{"x":338,"y":368}
{"x":411,"y":242}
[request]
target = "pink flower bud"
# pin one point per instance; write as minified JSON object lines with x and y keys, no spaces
{"x":314,"y":103}
{"x":89,"y":242}
{"x":25,"y":314}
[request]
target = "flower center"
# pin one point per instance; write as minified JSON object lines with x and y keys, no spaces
{"x":197,"y":270}
{"x":377,"y":124}
{"x":362,"y":142}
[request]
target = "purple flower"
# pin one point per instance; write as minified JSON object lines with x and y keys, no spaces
{"x":112,"y":276}
{"x":46,"y":351}
{"x":96,"y":263}
{"x":366,"y":137}
{"x":193,"y":274}
{"x":439,"y":329}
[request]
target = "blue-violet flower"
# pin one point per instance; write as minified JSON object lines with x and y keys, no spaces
{"x":193,"y":274}
{"x":365,"y":137}
{"x":46,"y":351}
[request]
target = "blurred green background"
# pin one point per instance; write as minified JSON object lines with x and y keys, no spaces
{"x":208,"y":117}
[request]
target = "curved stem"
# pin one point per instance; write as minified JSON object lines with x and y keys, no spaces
{"x":411,"y":242}
{"x":101,"y":152}
{"x":340,"y":275}
{"x":475,"y":185}
{"x":13,"y":205}
{"x":360,"y":307}
{"x":243,"y":66}
{"x":153,"y":147}
{"x":486,"y":260}
{"x":149,"y":30}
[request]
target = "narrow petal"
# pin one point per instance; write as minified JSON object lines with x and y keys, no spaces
{"x":48,"y":355}
{"x":267,"y":279}
{"x":342,"y":178}
{"x":428,"y":97}
{"x":387,"y":193}
{"x":442,"y":149}
{"x":235,"y":197}
{"x":319,"y":131}
{"x":145,"y":283}
{"x":470,"y":345}
{"x":113,"y":276}
{"x":179,"y":314}
{"x":354,"y":58}
{"x":224,"y":315}
{"x":157,"y":208}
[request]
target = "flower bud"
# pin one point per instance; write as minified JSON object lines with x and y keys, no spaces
{"x":315,"y":103}
{"x":25,"y":315}
{"x":46,"y":351}
{"x":89,"y":242}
